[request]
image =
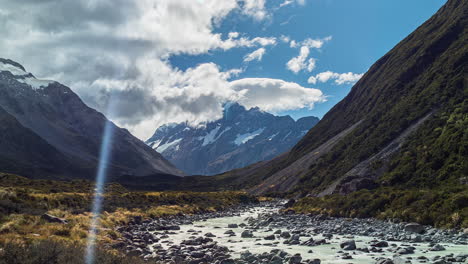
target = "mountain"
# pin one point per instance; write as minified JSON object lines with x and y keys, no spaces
{"x":48,"y":131}
{"x":240,"y":138}
{"x":403,"y":125}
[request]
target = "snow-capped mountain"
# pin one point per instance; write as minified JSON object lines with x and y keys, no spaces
{"x":240,"y":138}
{"x":46,"y":130}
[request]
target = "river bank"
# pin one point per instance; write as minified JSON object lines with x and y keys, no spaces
{"x":263,"y":234}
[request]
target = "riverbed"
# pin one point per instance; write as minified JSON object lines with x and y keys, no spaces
{"x":220,"y":240}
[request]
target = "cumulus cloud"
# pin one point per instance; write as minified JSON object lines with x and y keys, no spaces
{"x":300,"y":62}
{"x":119,"y":49}
{"x":275,"y":95}
{"x":339,"y":78}
{"x":255,"y":55}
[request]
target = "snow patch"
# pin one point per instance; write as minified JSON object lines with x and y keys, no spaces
{"x":24,"y":76}
{"x":272,"y":136}
{"x":287,"y":135}
{"x":244,"y":138}
{"x":13,"y":69}
{"x":35,"y":83}
{"x":210,"y":137}
{"x":168,"y":145}
{"x":154,"y":144}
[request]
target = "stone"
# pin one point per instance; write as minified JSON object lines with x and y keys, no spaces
{"x":414,"y":228}
{"x":296,"y":259}
{"x":53,"y":219}
{"x":247,"y":234}
{"x":210,"y":235}
{"x":348,"y":245}
{"x":437,"y":247}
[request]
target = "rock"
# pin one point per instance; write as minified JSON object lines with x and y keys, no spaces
{"x":247,"y":234}
{"x":437,"y":247}
{"x":380,"y":244}
{"x":285,"y":234}
{"x":209,"y":235}
{"x":53,"y":219}
{"x":384,"y":261}
{"x":414,"y":228}
{"x":270,"y":237}
{"x":197,"y":254}
{"x":296,"y":259}
{"x":314,"y":261}
{"x":399,"y":260}
{"x":289,"y":203}
{"x":348,"y":245}
{"x":233,"y":226}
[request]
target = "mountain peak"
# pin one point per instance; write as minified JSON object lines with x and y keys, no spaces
{"x":21,"y":75}
{"x":241,"y":137}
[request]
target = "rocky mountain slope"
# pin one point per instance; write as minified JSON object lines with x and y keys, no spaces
{"x":240,"y":138}
{"x":49,"y":131}
{"x":404,"y":124}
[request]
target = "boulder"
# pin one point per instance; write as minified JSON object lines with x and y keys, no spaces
{"x":247,"y":234}
{"x":414,"y":228}
{"x":348,"y":245}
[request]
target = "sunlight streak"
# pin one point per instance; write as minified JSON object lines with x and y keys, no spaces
{"x":104,"y":160}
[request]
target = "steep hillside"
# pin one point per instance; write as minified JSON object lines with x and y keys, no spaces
{"x":59,"y":127}
{"x":403,"y":124}
{"x":240,"y":138}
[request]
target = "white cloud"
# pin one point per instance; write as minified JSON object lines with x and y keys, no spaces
{"x":310,"y":43}
{"x":300,"y":62}
{"x":128,"y":59}
{"x":289,"y":2}
{"x":340,"y":78}
{"x":233,"y":35}
{"x":286,"y":3}
{"x":255,"y":55}
{"x":293,"y":44}
{"x":255,"y":8}
{"x":311,"y":64}
{"x":275,"y":95}
{"x":285,"y":39}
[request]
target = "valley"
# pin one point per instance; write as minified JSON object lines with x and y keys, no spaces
{"x":233,"y":169}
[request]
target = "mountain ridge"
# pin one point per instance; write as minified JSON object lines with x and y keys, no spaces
{"x":59,"y":117}
{"x":241,"y":137}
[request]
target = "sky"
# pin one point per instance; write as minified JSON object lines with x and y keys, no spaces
{"x":164,"y":61}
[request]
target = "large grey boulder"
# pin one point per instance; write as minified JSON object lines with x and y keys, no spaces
{"x":414,"y":228}
{"x":348,"y":245}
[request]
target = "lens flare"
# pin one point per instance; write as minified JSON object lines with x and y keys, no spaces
{"x":104,"y":160}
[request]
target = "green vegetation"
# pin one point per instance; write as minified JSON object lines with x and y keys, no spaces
{"x":444,"y":208}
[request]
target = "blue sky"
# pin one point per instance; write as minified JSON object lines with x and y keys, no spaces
{"x":362,"y":31}
{"x":164,"y":61}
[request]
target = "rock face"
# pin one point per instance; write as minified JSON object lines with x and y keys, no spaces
{"x":242,"y":137}
{"x":46,"y":119}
